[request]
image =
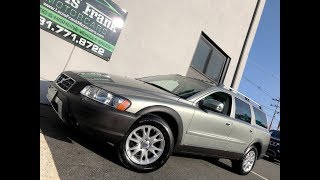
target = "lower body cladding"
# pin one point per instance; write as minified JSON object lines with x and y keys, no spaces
{"x":90,"y":116}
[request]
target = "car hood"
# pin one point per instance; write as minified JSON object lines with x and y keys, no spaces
{"x":275,"y":139}
{"x":126,"y":86}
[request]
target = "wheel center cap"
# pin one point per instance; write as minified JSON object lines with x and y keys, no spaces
{"x":145,"y":144}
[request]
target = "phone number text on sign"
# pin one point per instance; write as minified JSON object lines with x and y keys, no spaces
{"x":68,"y":34}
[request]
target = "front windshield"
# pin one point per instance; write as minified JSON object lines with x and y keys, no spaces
{"x":181,"y":86}
{"x":275,"y":134}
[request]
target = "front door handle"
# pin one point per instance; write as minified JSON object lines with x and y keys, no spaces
{"x":250,"y":130}
{"x":228,"y":124}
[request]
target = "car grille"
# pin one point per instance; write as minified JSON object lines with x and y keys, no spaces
{"x":273,"y":143}
{"x":64,"y":82}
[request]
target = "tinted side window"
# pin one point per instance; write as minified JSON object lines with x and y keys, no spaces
{"x":261,"y":118}
{"x":223,"y":98}
{"x":243,"y":111}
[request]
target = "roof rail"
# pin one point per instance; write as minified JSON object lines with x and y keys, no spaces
{"x":237,"y":92}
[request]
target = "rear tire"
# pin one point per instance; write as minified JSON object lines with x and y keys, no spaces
{"x":246,"y":163}
{"x":141,"y":149}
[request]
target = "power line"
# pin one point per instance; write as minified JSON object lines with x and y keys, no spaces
{"x":271,"y":117}
{"x":275,"y":111}
{"x":259,"y":87}
{"x":261,"y":69}
{"x":267,"y":107}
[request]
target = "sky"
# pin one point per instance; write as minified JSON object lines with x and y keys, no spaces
{"x":261,"y":78}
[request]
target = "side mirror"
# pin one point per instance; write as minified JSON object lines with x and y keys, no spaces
{"x":211,"y":104}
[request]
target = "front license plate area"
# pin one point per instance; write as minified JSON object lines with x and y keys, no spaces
{"x":52,"y":91}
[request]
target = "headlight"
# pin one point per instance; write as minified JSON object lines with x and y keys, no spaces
{"x":106,"y":97}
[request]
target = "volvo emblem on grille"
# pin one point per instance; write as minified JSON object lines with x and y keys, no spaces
{"x":63,"y":79}
{"x":64,"y":82}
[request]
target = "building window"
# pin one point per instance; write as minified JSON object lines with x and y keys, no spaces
{"x":209,"y":60}
{"x":243,"y":111}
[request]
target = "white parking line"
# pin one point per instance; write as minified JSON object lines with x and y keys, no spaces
{"x":259,"y":175}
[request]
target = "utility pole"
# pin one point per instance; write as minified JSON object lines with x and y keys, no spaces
{"x":275,"y":111}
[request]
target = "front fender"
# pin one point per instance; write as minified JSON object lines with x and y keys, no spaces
{"x":170,"y":111}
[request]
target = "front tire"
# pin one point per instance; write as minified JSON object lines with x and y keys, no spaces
{"x":147,"y":145}
{"x":246,"y":163}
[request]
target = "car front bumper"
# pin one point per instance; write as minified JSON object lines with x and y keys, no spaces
{"x":273,"y":152}
{"x":89,"y":115}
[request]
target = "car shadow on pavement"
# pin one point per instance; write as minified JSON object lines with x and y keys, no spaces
{"x":49,"y":124}
{"x":220,"y":164}
{"x":274,"y":161}
{"x":53,"y":129}
{"x":211,"y":160}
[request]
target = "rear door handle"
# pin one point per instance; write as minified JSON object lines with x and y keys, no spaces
{"x":250,"y":130}
{"x":228,"y":124}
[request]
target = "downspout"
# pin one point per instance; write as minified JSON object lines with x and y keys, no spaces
{"x":245,"y":44}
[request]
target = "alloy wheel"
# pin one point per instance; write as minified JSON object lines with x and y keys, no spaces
{"x":145,"y":144}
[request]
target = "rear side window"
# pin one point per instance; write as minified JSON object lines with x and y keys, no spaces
{"x":261,"y":118}
{"x":243,"y":111}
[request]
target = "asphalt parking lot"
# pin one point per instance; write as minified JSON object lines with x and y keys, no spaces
{"x":75,"y":155}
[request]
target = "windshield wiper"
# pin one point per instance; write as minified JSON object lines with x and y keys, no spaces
{"x":187,"y":91}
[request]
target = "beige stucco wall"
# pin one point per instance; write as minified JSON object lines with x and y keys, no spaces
{"x":160,"y":37}
{"x":254,"y":27}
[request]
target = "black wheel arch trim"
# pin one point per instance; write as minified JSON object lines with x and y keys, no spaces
{"x":251,"y":144}
{"x":168,"y":110}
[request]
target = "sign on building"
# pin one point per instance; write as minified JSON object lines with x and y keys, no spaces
{"x":93,"y":25}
